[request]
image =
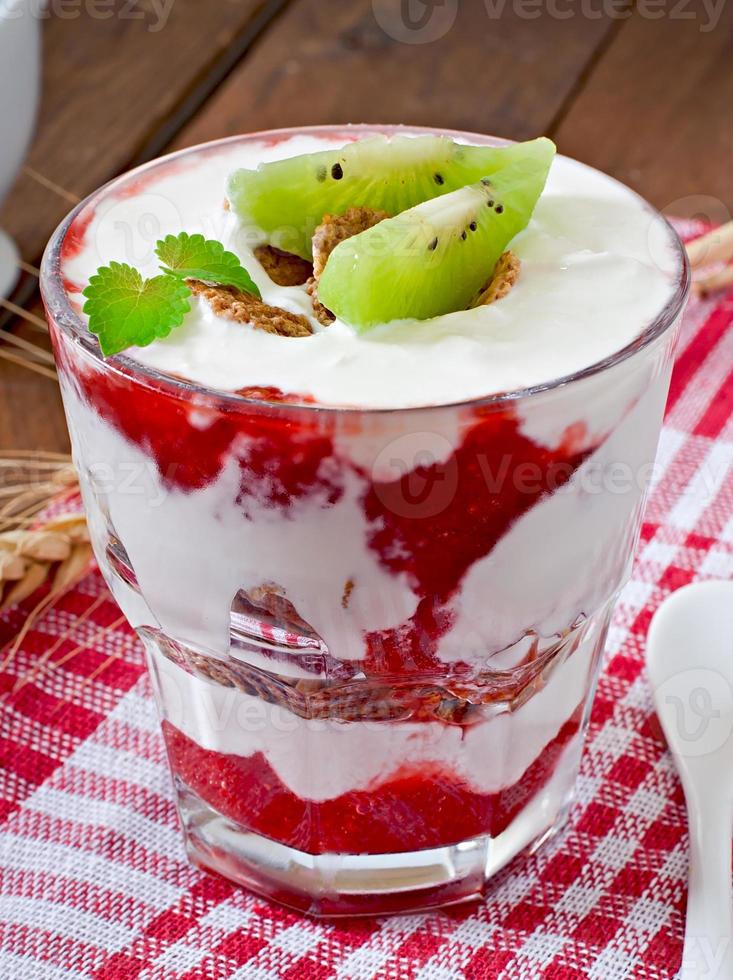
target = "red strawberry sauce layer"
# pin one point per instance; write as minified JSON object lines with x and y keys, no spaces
{"x":415,"y":808}
{"x":431,"y":524}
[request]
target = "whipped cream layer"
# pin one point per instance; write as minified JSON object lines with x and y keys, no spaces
{"x":598,"y":266}
{"x":323,"y":759}
{"x":192,"y":551}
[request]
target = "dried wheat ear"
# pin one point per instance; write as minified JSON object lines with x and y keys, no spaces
{"x":56,"y":551}
{"x":36,"y":547}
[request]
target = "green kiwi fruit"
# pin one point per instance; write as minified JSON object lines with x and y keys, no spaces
{"x":434,"y":258}
{"x":287,"y":199}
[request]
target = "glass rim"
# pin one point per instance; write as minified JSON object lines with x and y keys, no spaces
{"x":65,"y":318}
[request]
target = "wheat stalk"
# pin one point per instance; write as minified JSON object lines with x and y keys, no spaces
{"x":35,"y":321}
{"x":38,"y":550}
{"x":24,"y":360}
{"x":57,"y":549}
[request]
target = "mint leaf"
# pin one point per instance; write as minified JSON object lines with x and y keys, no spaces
{"x":195,"y":257}
{"x":125,"y":310}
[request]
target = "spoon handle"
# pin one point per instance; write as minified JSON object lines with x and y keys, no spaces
{"x":708,"y":951}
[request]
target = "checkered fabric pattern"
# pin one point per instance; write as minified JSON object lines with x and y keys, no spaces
{"x":94,"y":883}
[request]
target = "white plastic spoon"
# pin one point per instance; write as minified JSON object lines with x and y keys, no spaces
{"x":690,"y":665}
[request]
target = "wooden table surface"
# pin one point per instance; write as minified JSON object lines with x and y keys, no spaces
{"x":644,"y":93}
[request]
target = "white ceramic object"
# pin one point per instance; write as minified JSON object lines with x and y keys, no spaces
{"x":690,"y":665}
{"x":20,"y":68}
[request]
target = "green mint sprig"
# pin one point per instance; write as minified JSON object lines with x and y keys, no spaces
{"x":126,"y":310}
{"x":194,"y":257}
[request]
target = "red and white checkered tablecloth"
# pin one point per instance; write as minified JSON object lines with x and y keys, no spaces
{"x":94,"y":883}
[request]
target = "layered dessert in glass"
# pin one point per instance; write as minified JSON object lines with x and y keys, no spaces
{"x":372,"y":569}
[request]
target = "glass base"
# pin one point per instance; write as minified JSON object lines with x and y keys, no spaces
{"x":332,"y":885}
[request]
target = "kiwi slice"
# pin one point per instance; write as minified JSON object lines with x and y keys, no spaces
{"x":436,"y":257}
{"x":287,"y":199}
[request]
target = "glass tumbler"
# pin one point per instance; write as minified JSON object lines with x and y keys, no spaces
{"x":373,"y":635}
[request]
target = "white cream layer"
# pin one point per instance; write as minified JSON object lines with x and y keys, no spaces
{"x":561,"y":560}
{"x":320,"y":760}
{"x":597,"y":268}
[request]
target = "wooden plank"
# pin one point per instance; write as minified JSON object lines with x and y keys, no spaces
{"x":114,"y":90}
{"x":322,"y":61}
{"x":31,"y":416}
{"x":657,"y":111}
{"x":327,"y":61}
{"x":110,"y":83}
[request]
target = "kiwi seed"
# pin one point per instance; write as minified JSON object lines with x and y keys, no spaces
{"x":486,"y":182}
{"x":433,"y":245}
{"x":499,"y":208}
{"x":489,"y":204}
{"x":439,"y":179}
{"x":464,"y":235}
{"x":473,"y":226}
{"x":337,"y":171}
{"x":321,"y":174}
